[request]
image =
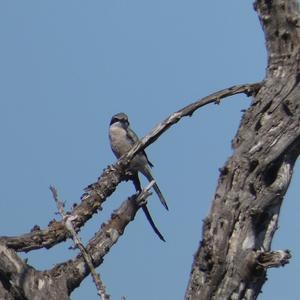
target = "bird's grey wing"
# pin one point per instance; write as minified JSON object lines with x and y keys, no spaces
{"x":133,"y":138}
{"x":147,"y":173}
{"x":131,"y":135}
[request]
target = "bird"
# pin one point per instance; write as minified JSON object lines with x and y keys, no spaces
{"x":122,"y":138}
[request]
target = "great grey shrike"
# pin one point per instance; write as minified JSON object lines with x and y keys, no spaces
{"x":122,"y":138}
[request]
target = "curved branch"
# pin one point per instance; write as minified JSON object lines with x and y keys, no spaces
{"x":248,"y":89}
{"x":96,"y":193}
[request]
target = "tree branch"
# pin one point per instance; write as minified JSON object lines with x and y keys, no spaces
{"x":85,"y":254}
{"x":96,"y":193}
{"x":273,"y":259}
{"x":187,"y":111}
{"x":76,"y":270}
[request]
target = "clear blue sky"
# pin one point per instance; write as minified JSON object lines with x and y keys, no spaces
{"x":67,"y":66}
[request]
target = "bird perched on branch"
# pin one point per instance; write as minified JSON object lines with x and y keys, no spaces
{"x":122,"y":138}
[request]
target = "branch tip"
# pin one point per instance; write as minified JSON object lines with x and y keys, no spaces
{"x":273,"y":259}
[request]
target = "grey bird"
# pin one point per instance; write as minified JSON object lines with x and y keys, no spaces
{"x":122,"y":138}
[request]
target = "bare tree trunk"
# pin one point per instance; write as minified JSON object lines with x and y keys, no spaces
{"x":233,"y":256}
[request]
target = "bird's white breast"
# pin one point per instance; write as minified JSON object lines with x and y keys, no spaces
{"x":118,"y":140}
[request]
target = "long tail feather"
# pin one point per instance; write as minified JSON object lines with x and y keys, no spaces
{"x":160,"y":196}
{"x":147,"y":173}
{"x":150,"y":220}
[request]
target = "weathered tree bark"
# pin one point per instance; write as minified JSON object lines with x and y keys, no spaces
{"x":18,"y":280}
{"x":238,"y":232}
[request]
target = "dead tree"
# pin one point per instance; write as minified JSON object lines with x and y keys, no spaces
{"x":234,"y":253}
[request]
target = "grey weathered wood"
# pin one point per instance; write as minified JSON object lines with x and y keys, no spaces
{"x":19,"y":281}
{"x":253,"y":182}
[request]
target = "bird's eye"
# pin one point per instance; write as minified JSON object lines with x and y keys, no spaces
{"x":113,"y":120}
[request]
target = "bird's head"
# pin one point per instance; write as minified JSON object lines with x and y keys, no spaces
{"x":121,"y":118}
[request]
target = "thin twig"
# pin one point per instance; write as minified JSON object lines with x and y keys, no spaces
{"x":145,"y":193}
{"x":107,"y":235}
{"x":87,"y":257}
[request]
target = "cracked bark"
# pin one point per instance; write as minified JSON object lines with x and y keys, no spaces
{"x":18,"y":280}
{"x":252,"y":184}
